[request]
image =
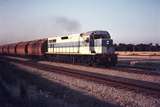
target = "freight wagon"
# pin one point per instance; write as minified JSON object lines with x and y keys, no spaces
{"x":1,"y":49}
{"x":12,"y":49}
{"x":37,"y":47}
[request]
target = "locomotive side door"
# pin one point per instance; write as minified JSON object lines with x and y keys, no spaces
{"x":91,"y":44}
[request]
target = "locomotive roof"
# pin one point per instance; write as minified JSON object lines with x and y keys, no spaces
{"x":96,"y":32}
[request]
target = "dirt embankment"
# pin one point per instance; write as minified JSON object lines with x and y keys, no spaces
{"x":22,"y":89}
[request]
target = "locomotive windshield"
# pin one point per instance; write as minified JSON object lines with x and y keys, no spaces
{"x":103,"y":36}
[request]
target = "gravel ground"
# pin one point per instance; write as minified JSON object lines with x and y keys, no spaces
{"x":115,"y":96}
{"x":22,"y":88}
{"x":144,"y":77}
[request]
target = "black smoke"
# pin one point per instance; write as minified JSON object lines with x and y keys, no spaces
{"x":67,"y":25}
{"x":28,"y":28}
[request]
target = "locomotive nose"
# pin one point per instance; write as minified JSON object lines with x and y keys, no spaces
{"x":107,"y":42}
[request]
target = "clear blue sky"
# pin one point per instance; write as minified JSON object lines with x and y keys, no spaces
{"x":128,"y":21}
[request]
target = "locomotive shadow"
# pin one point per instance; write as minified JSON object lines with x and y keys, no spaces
{"x":58,"y":91}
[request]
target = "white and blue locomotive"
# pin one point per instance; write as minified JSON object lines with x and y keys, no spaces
{"x":94,"y":47}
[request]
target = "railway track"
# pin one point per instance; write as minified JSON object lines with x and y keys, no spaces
{"x":132,"y":69}
{"x":118,"y":67}
{"x":118,"y":82}
{"x":147,"y":63}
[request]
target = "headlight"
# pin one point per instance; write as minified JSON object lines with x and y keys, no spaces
{"x":107,"y":42}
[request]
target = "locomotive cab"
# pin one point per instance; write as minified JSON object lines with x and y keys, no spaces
{"x":101,"y":43}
